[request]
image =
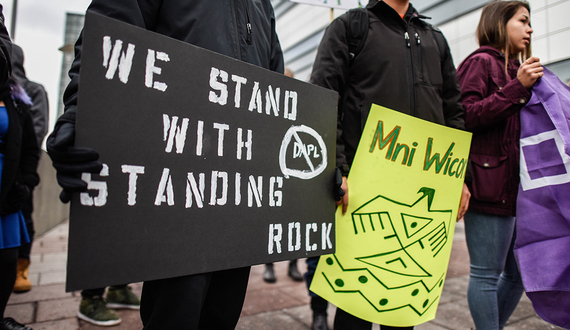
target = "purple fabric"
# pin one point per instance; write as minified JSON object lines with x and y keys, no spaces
{"x":543,"y":205}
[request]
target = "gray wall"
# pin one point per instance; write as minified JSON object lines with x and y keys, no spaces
{"x":48,"y":210}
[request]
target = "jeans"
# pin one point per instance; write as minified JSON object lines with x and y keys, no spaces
{"x":495,"y":285}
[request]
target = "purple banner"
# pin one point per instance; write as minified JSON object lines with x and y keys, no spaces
{"x":543,"y":206}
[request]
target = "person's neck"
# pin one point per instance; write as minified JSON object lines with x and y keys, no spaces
{"x":400,"y":6}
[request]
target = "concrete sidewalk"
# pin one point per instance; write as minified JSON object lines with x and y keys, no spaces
{"x":282,"y":305}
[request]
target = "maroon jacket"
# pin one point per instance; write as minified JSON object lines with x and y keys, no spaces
{"x":492,"y":101}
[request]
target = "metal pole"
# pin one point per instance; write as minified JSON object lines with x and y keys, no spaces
{"x":13,"y":25}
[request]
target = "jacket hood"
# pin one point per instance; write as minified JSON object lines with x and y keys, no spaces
{"x":18,"y":62}
{"x":493,"y":52}
{"x":489,"y":50}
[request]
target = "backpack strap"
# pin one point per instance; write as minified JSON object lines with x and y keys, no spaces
{"x":440,"y":40}
{"x":356,"y":30}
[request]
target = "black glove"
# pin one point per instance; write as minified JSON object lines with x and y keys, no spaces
{"x":19,"y":193}
{"x":70,"y":161}
{"x":338,"y":192}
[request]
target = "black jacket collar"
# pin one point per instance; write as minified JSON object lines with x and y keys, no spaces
{"x":382,"y":9}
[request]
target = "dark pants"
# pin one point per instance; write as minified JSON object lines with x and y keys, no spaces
{"x":27,"y":209}
{"x":98,"y":292}
{"x":345,"y":321}
{"x":318,"y":304}
{"x":8,"y":269}
{"x":202,"y":301}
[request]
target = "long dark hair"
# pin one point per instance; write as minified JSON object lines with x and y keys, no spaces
{"x":492,"y":28}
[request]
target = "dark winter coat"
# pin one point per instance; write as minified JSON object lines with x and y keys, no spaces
{"x":242,"y":29}
{"x":492,"y":102}
{"x":5,"y":50}
{"x":40,"y":105}
{"x":21,"y":155}
{"x":407,"y":75}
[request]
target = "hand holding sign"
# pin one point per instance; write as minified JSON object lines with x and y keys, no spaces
{"x":70,"y":161}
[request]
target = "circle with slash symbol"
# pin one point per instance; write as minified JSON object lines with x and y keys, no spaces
{"x":296,"y":134}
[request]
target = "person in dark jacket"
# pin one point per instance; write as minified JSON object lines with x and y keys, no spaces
{"x":40,"y":115}
{"x":494,"y":88}
{"x":242,"y":29}
{"x":5,"y":51}
{"x":18,"y":163}
{"x":400,"y":67}
{"x":19,"y":154}
{"x":36,"y":91}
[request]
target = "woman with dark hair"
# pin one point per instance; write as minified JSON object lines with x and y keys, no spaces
{"x":494,"y":87}
{"x":19,"y":154}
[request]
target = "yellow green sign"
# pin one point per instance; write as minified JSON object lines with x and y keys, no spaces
{"x":393,"y":243}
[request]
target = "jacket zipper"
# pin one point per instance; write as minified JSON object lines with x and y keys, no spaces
{"x":248,"y":25}
{"x":420,"y":55}
{"x":410,"y":73}
{"x":238,"y":43}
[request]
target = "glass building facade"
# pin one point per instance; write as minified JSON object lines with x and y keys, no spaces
{"x":300,"y":28}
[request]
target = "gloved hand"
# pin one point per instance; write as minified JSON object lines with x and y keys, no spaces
{"x":70,"y":161}
{"x":338,"y":192}
{"x":19,"y":193}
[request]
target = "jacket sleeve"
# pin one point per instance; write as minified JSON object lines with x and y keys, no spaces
{"x":140,"y":13}
{"x":277,"y":63}
{"x":481,"y":108}
{"x":451,"y":95}
{"x":30,"y":154}
{"x":5,"y":51}
{"x":330,"y":70}
{"x":39,"y":112}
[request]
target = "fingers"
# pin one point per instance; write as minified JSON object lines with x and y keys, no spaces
{"x":338,"y":192}
{"x":532,"y":64}
{"x":530,"y":71}
{"x":71,"y":181}
{"x":345,"y":197}
{"x":462,"y":211}
{"x":90,"y":167}
{"x":464,"y":204}
{"x":65,"y":196}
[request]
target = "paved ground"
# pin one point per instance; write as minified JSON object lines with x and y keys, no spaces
{"x":279,"y":306}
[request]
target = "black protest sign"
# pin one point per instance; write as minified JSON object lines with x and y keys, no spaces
{"x":210,"y":163}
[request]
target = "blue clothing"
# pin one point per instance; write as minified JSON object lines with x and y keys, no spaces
{"x":13,"y":231}
{"x":495,"y":285}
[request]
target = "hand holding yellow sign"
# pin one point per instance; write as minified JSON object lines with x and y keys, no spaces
{"x":394,"y":242}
